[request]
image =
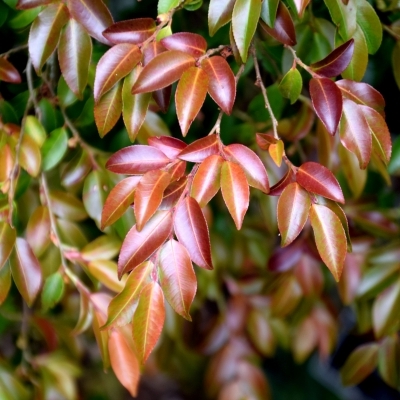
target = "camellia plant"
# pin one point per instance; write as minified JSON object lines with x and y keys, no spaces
{"x":253,"y":144}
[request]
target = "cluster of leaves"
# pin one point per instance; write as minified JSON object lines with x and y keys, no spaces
{"x":66,"y":213}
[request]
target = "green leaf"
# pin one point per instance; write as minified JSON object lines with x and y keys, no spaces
{"x":34,"y":129}
{"x":344,"y":16}
{"x":166,"y":5}
{"x":268,"y":11}
{"x":54,"y":148}
{"x":104,"y":247}
{"x":388,"y":364}
{"x":94,"y":194}
{"x":291,"y":85}
{"x":7,"y":241}
{"x":24,"y":18}
{"x":394,"y":165}
{"x":53,"y":291}
{"x":396,"y":62}
{"x":5,"y":282}
{"x":29,"y":156}
{"x":219,"y":14}
{"x":370,"y":24}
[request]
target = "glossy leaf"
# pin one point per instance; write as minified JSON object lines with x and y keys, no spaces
{"x":286,"y":180}
{"x":177,"y":277}
{"x":330,"y":238}
{"x":134,"y":31}
{"x":293,"y":208}
{"x":327,"y":102}
{"x":222,"y":84}
{"x":370,"y":24}
{"x":66,"y":206}
{"x":192,"y":231}
{"x":277,"y":151}
{"x":35,"y":130}
{"x":343,"y":15}
{"x":148,"y":320}
{"x":162,"y":71}
{"x":29,"y":156}
{"x":291,"y":85}
{"x":235,"y":191}
{"x":54,"y":148}
{"x":138,"y":246}
{"x":28,"y":4}
{"x":38,"y":230}
{"x":170,"y":146}
{"x":199,"y":150}
{"x":53,"y":291}
{"x":301,"y":6}
{"x":269,"y":9}
{"x":173,"y":193}
{"x":8,"y":73}
{"x":190,"y":95}
{"x":166,"y":5}
{"x":104,"y":247}
{"x":317,"y":179}
{"x":105,"y":271}
{"x":190,"y":43}
{"x":219,"y":14}
{"x":7,"y":241}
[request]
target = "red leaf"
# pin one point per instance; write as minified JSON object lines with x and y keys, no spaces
{"x":148,"y":320}
{"x":139,"y":246}
{"x":162,"y":71}
{"x":327,"y":102}
{"x":252,"y":165}
{"x":170,"y":146}
{"x":222,"y":84}
{"x":278,"y":188}
{"x":137,"y":160}
{"x":265,"y":140}
{"x":187,"y":42}
{"x":8,"y":73}
{"x":336,"y":61}
{"x":318,"y":179}
{"x":28,"y":4}
{"x":200,"y":149}
{"x":177,"y":277}
{"x":354,"y":132}
{"x":173,"y":193}
{"x":235,"y":191}
{"x":93,"y":15}
{"x":192,"y":231}
{"x":190,"y":95}
{"x":206,"y":182}
{"x":116,"y":63}
{"x":148,"y":195}
{"x":283,"y":30}
{"x":134,"y":31}
{"x":152,"y":50}
{"x":176,"y":170}
{"x":293,"y":208}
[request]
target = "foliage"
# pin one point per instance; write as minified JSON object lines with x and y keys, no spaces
{"x":298,"y":154}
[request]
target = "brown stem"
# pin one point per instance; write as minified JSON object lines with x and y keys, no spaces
{"x":211,"y":52}
{"x":14,"y":50}
{"x":391,"y":32}
{"x":299,"y":62}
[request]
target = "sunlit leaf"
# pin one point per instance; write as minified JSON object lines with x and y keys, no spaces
{"x":190,"y":43}
{"x":170,"y":146}
{"x":104,"y":247}
{"x":173,"y":193}
{"x":38,"y":230}
{"x":105,"y":271}
{"x":134,"y":31}
{"x":286,"y":180}
{"x":301,"y":6}
{"x":199,"y":150}
{"x":219,"y":14}
{"x":29,"y":156}
{"x":35,"y":130}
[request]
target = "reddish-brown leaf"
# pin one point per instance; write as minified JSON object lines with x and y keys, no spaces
{"x":190,"y":43}
{"x":252,"y":165}
{"x":192,"y":231}
{"x":330,"y":238}
{"x":264,"y":140}
{"x":327,"y":102}
{"x":8,"y":73}
{"x":283,"y":30}
{"x":170,"y":146}
{"x":148,"y":320}
{"x":115,"y":64}
{"x":8,"y":236}
{"x":278,"y":188}
{"x":139,"y":246}
{"x":173,"y":193}
{"x":318,"y":179}
{"x":355,"y":134}
{"x":149,"y":194}
{"x":27,"y":4}
{"x":93,"y":15}
{"x":336,"y":61}
{"x":177,"y":277}
{"x":134,"y":31}
{"x":200,"y":149}
{"x":137,"y":160}
{"x":176,"y":170}
{"x":162,"y":71}
{"x":38,"y":231}
{"x":293,"y":208}
{"x":222,"y":84}
{"x":235,"y":191}
{"x":190,"y":95}
{"x":118,"y":200}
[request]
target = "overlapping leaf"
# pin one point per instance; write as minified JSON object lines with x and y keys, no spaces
{"x":343,"y":15}
{"x":369,"y":22}
{"x":199,"y":150}
{"x":286,"y":180}
{"x":190,"y":43}
{"x":7,"y":241}
{"x":38,"y":230}
{"x":173,"y":193}
{"x":219,"y":14}
{"x":29,"y":156}
{"x":28,"y":4}
{"x":170,"y":146}
{"x":134,"y":31}
{"x":8,"y":73}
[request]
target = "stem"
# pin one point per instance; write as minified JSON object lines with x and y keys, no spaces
{"x":211,"y":52}
{"x":14,"y":50}
{"x":391,"y":32}
{"x":299,"y":62}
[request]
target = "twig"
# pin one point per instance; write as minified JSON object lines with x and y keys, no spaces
{"x":217,"y":126}
{"x":299,"y":62}
{"x":211,"y":52}
{"x":391,"y":32}
{"x":14,"y":50}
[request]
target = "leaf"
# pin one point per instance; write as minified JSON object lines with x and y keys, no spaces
{"x":28,"y":4}
{"x":336,"y":61}
{"x":85,"y":313}
{"x":5,"y":282}
{"x":124,"y":362}
{"x":170,"y":146}
{"x":291,"y":85}
{"x":261,"y":333}
{"x":107,"y":110}
{"x":138,"y":246}
{"x":115,"y":64}
{"x":105,"y":271}
{"x":317,"y":179}
{"x":327,"y":102}
{"x":137,"y":160}
{"x":162,"y":71}
{"x":74,"y":55}
{"x":264,"y":140}
{"x":45,"y":33}
{"x":173,"y":193}
{"x":29,"y":156}
{"x":287,"y":179}
{"x":177,"y":277}
{"x":235,"y":191}
{"x":34,"y":129}
{"x":192,"y":231}
{"x":200,"y":149}
{"x":269,"y":9}
{"x":293,"y":208}
{"x":301,"y":6}
{"x":396,"y":63}
{"x":190,"y":43}
{"x":283,"y":30}
{"x":388,"y":361}
{"x":206,"y":181}
{"x":54,"y":148}
{"x":38,"y":230}
{"x":148,"y":320}
{"x":76,"y":170}
{"x":53,"y":291}
{"x":222,"y":84}
{"x":104,"y":247}
{"x":166,"y":5}
{"x":190,"y":95}
{"x":8,"y":73}
{"x":66,"y":206}
{"x":93,"y":15}
{"x":361,"y":363}
{"x":7,"y":241}
{"x":277,"y":151}
{"x":148,"y":195}
{"x":134,"y":31}
{"x":26,"y":271}
{"x":343,"y":15}
{"x":370,"y":24}
{"x":219,"y":14}
{"x":330,"y":238}
{"x":244,"y":23}
{"x":354,"y":132}
{"x":251,"y":164}
{"x":118,"y":200}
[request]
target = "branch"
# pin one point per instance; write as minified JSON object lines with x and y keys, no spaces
{"x":299,"y":62}
{"x":391,"y":32}
{"x":216,"y":50}
{"x":14,"y":50}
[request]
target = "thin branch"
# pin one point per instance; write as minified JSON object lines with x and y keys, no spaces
{"x":299,"y":62}
{"x":14,"y":50}
{"x":391,"y":32}
{"x":211,"y":52}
